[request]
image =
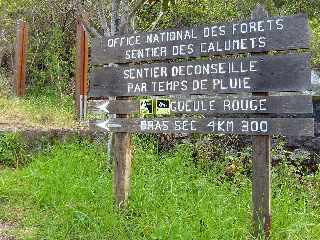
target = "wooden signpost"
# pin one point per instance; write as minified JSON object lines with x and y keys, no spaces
{"x":21,"y":58}
{"x":261,"y":167}
{"x":81,"y":76}
{"x":255,"y":76}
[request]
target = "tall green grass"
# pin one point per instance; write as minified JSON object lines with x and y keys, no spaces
{"x":67,"y":194}
{"x":38,"y":111}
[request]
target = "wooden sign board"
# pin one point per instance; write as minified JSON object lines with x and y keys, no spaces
{"x":272,"y":33}
{"x":242,"y":126}
{"x":300,"y":104}
{"x":232,"y":75}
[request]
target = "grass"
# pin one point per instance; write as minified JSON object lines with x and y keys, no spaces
{"x":67,"y":194}
{"x":39,"y":109}
{"x":43,"y":111}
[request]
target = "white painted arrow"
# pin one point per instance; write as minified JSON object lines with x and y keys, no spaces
{"x":104,"y":107}
{"x":106,"y":125}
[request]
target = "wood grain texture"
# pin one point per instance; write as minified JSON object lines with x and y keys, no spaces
{"x":265,"y":34}
{"x":79,"y":68}
{"x":85,"y":83}
{"x":300,"y":104}
{"x":243,"y":126}
{"x":261,"y":167}
{"x":121,"y":142}
{"x":24,"y":58}
{"x":81,"y":74}
{"x":261,"y":185}
{"x":232,"y":75}
{"x":122,"y":158}
{"x":21,"y":58}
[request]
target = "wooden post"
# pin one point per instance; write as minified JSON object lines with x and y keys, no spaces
{"x":21,"y":57}
{"x":121,"y":151}
{"x":81,"y":75}
{"x":85,"y":84}
{"x":122,"y":157}
{"x":261,"y":182}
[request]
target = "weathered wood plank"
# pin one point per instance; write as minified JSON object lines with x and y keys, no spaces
{"x":261,"y":185}
{"x":85,"y":84}
{"x":122,"y":146}
{"x":269,"y":33}
{"x":81,"y":73}
{"x":21,"y":58}
{"x":253,"y":74}
{"x":261,"y":168}
{"x":243,"y":126}
{"x":89,"y":130}
{"x":300,"y":104}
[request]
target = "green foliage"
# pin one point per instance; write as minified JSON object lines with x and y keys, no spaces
{"x":286,"y":7}
{"x":38,"y":111}
{"x":49,"y":110}
{"x":189,"y":13}
{"x":50,"y":62}
{"x":315,"y":44}
{"x":13,"y":150}
{"x":4,"y":83}
{"x":67,"y":194}
{"x":224,"y":155}
{"x":52,"y":66}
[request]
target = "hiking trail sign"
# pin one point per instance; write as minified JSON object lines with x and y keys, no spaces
{"x":213,"y":87}
{"x":223,"y":104}
{"x":244,"y":126}
{"x":215,"y":77}
{"x":232,"y":75}
{"x":272,"y":33}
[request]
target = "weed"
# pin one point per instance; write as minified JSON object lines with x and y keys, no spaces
{"x":13,"y":150}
